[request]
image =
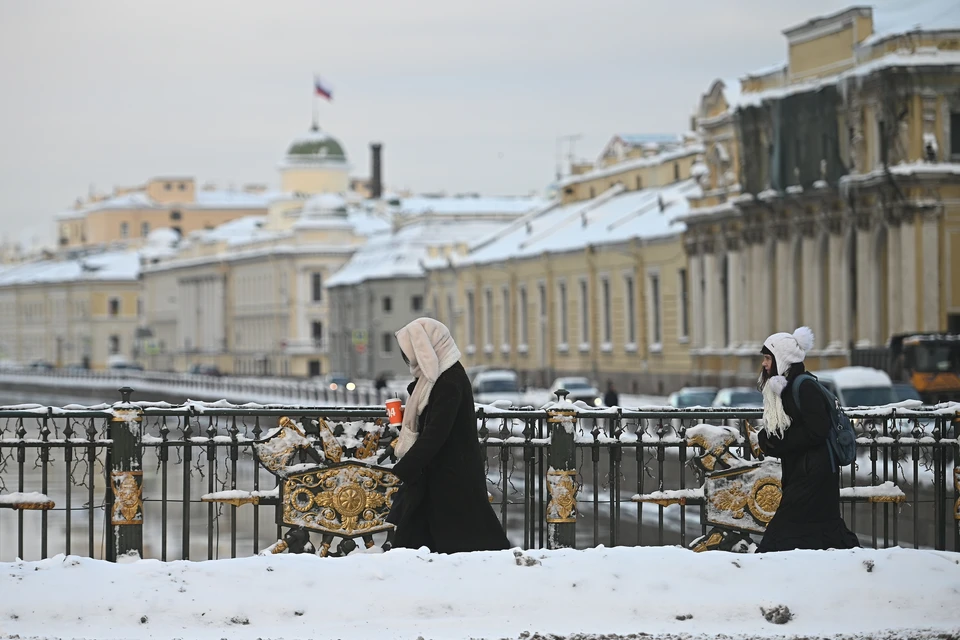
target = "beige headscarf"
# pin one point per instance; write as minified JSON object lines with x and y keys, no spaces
{"x":431,"y":350}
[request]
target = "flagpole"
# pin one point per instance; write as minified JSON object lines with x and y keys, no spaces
{"x":316,"y":108}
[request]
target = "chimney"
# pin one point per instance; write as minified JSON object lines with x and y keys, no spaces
{"x":376,"y":179}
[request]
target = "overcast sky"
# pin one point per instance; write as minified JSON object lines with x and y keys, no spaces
{"x":465,"y":96}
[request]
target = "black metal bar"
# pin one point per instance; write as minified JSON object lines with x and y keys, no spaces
{"x":256,"y":487}
{"x":234,"y":456}
{"x":185,"y":504}
{"x":91,"y":482}
{"x":21,"y":459}
{"x":68,"y":486}
{"x":44,"y":478}
{"x":163,"y":452}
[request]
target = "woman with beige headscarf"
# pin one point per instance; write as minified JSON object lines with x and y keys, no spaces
{"x":443,"y":502}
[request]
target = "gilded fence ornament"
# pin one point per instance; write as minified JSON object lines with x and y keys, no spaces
{"x":279,"y":448}
{"x":347,"y":500}
{"x":127,"y":497}
{"x":562,"y":487}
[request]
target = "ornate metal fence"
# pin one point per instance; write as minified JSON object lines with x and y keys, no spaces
{"x":184,"y":481}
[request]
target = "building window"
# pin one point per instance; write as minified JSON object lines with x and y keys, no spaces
{"x":316,"y":286}
{"x":114,"y":345}
{"x":656,"y":333}
{"x":607,"y":324}
{"x":387,"y":342}
{"x":631,"y":303}
{"x":175,"y":215}
{"x":124,"y":229}
{"x":584,"y":314}
{"x":471,"y":321}
{"x":639,"y":183}
{"x":114,"y":307}
{"x":592,"y":193}
{"x":387,"y":304}
{"x":451,"y":318}
{"x":505,"y":318}
{"x":522,"y":315}
{"x":684,"y":305}
{"x":139,"y":308}
{"x":416,"y":303}
{"x":178,"y":231}
{"x":435,"y":309}
{"x":316,"y":332}
{"x":955,"y":136}
{"x":167,"y":186}
{"x":488,"y":320}
{"x":562,"y":311}
{"x":144,"y":229}
{"x":183,"y":187}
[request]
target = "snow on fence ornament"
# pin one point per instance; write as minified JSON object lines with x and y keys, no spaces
{"x":329,"y":495}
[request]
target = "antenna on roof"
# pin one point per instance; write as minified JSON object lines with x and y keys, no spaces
{"x":571,"y":138}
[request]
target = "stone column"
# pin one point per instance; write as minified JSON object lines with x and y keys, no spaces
{"x":929,"y":225}
{"x":786,"y":281}
{"x":839,"y":275}
{"x":865,"y":276}
{"x":695,"y":262}
{"x":909,"y":294}
{"x":711,"y":318}
{"x":735,"y":309}
{"x":894,"y":278}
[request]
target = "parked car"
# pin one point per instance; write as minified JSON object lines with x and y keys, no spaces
{"x":340,"y":380}
{"x":905,"y":391}
{"x":858,"y":386}
{"x":204,"y":370}
{"x":739,"y":397}
{"x":41,"y":365}
{"x":692,"y":397}
{"x":498,"y":384}
{"x":579,"y":388}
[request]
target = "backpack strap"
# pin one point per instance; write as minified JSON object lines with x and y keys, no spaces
{"x":796,"y":386}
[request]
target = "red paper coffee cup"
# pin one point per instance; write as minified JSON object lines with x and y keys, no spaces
{"x":395,"y":412}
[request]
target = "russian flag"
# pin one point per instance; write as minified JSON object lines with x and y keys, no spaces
{"x":322,"y":88}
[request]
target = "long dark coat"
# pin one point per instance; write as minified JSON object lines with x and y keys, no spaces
{"x":443,"y":502}
{"x":809,"y":513}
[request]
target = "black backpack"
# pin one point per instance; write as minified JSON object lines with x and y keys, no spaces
{"x":841,"y":439}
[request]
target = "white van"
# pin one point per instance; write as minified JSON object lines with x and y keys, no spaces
{"x":858,"y":386}
{"x":501,"y":384}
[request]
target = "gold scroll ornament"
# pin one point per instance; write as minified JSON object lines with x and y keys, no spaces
{"x":562,"y":487}
{"x":347,"y":500}
{"x":127,"y":497}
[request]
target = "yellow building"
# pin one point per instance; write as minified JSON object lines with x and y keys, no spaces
{"x":592,"y":284}
{"x":70,"y":312}
{"x":129,"y":215}
{"x":844,"y":213}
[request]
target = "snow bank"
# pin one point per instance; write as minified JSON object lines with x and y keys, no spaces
{"x":406,"y":594}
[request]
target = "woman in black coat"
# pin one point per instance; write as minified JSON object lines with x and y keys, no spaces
{"x":809,"y":513}
{"x":443,"y":502}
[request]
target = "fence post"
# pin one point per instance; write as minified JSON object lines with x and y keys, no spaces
{"x":124,"y":500}
{"x":562,"y":475}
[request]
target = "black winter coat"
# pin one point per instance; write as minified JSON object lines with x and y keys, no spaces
{"x":443,"y":502}
{"x":809,"y":513}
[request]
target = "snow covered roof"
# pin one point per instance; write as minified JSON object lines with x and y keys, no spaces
{"x":635,"y":163}
{"x":209,"y":199}
{"x":920,"y":58}
{"x":894,"y":17}
{"x":613,"y":217}
{"x":237,"y":231}
{"x":108,"y":266}
{"x":641,"y":139}
{"x":456,"y":205}
{"x":401,"y":254}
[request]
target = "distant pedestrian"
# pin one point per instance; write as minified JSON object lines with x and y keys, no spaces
{"x":443,"y":502}
{"x":611,"y":398}
{"x":809,"y":513}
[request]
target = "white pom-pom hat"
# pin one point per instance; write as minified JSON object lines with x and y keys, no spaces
{"x":789,"y":348}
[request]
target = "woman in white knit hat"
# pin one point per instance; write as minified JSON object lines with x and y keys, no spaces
{"x":809,"y":513}
{"x":443,"y":502}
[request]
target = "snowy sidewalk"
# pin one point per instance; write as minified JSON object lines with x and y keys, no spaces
{"x":623,"y":592}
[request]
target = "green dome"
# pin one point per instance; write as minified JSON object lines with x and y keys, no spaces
{"x":316,"y":145}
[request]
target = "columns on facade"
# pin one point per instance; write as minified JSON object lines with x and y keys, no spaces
{"x":695,"y":290}
{"x":814,"y":298}
{"x":927,"y":224}
{"x":734,"y":275}
{"x":712,"y":318}
{"x":785,"y":284}
{"x":838,"y":248}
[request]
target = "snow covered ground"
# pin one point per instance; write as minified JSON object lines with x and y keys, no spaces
{"x":663,"y":592}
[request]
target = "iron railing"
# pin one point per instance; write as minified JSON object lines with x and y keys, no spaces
{"x":196,"y":456}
